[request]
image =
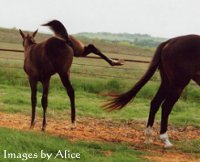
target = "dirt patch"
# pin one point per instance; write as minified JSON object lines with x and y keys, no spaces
{"x":91,"y":129}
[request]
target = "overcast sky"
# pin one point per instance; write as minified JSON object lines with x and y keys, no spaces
{"x":165,"y":18}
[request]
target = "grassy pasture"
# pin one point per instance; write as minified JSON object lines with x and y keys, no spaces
{"x":30,"y":142}
{"x":91,"y":84}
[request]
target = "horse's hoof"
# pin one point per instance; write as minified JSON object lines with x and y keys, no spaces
{"x":148,"y":134}
{"x":32,"y":126}
{"x":165,"y":139}
{"x":73,"y":126}
{"x":168,"y":145}
{"x":43,"y":129}
{"x":148,"y":141}
{"x":117,"y":62}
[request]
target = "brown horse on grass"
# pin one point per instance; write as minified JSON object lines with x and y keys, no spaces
{"x":54,"y":55}
{"x":43,"y":60}
{"x":178,"y":60}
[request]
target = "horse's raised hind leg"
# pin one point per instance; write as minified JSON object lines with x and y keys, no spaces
{"x":33,"y":85}
{"x":70,"y":91}
{"x":167,"y":106}
{"x":44,"y":102}
{"x":155,"y":104}
{"x":92,"y":49}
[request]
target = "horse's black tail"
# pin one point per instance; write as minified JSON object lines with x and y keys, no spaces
{"x":58,"y":28}
{"x":119,"y":101}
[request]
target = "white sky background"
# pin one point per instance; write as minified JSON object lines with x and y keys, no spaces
{"x":164,"y":18}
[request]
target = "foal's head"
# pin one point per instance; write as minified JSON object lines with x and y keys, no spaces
{"x":28,"y":39}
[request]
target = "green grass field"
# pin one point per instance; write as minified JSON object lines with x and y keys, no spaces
{"x":26,"y":143}
{"x":90,"y":89}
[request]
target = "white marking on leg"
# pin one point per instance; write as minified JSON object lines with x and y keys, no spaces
{"x":164,"y":137}
{"x":148,"y":134}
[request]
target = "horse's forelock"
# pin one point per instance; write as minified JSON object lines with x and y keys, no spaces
{"x":29,"y":38}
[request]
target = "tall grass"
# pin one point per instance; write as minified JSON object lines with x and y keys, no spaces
{"x":96,"y":85}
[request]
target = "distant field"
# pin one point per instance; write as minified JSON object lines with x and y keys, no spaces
{"x":117,"y":47}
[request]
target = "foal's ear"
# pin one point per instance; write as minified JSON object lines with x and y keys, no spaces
{"x":34,"y":33}
{"x":22,"y":34}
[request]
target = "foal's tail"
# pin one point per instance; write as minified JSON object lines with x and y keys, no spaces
{"x":118,"y":102}
{"x":59,"y":29}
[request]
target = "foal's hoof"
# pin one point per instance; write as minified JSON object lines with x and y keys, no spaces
{"x":32,"y":126}
{"x":73,"y":126}
{"x":43,"y":128}
{"x":117,"y":62}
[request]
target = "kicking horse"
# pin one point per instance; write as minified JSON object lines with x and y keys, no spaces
{"x":54,"y":55}
{"x":80,"y":50}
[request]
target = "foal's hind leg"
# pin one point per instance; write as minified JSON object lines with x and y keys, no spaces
{"x":44,"y":101}
{"x":155,"y":104}
{"x":33,"y":85}
{"x":92,"y":49}
{"x":70,"y":91}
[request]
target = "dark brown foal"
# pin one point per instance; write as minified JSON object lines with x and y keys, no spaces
{"x":43,"y":60}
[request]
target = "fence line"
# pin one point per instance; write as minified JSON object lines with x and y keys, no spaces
{"x":14,"y":50}
{"x":11,"y":50}
{"x":80,"y":64}
{"x":91,"y":57}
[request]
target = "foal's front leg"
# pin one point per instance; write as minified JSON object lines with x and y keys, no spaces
{"x":44,"y":102}
{"x":33,"y":85}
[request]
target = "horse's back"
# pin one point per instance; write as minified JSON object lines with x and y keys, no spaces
{"x":181,"y":56}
